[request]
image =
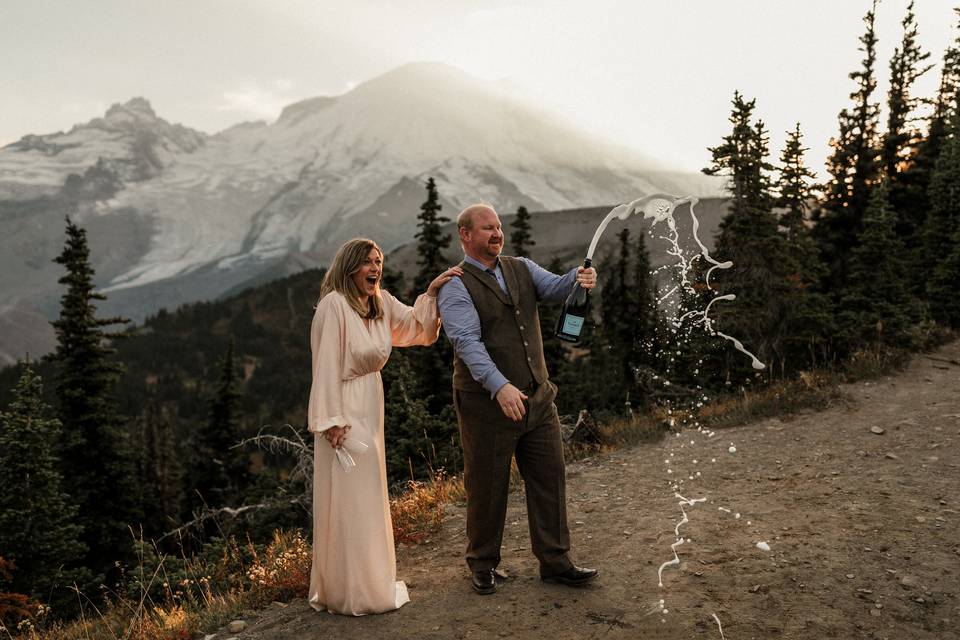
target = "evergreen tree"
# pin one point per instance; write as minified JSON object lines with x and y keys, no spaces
{"x":810,"y":320}
{"x":161,"y":471}
{"x":741,"y":158}
{"x":944,"y":198}
{"x":928,"y":149}
{"x":95,"y":453}
{"x":38,"y":529}
{"x":914,"y":204}
{"x":795,"y":187}
{"x":905,"y":69}
{"x":942,"y":288}
{"x":947,"y":102}
{"x":220,"y":470}
{"x":432,"y":364}
{"x":875,"y":307}
{"x":900,"y":143}
{"x":623,"y":339}
{"x":614,"y":340}
{"x":419,"y":442}
{"x":853,"y":165}
{"x":749,"y":237}
{"x":431,"y":241}
{"x":615,"y":305}
{"x":941,"y":228}
{"x":520,"y":238}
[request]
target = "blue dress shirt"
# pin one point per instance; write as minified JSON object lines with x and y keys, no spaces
{"x":461,"y":322}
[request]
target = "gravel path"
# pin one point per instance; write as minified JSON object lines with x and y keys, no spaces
{"x":861,"y":529}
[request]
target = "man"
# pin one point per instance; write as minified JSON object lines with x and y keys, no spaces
{"x":504,"y":400}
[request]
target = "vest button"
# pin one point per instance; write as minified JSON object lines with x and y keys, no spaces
{"x":526,"y":344}
{"x":521,"y":327}
{"x":518,"y":311}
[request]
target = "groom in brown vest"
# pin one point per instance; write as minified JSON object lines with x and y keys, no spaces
{"x":504,"y":399}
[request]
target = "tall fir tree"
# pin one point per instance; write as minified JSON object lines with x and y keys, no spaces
{"x":520,"y":238}
{"x":431,"y":365}
{"x":902,"y":138}
{"x":38,"y":529}
{"x":944,"y":197}
{"x":431,"y":241}
{"x":95,"y":454}
{"x":876,"y":307}
{"x":854,"y":164}
{"x":796,"y":188}
{"x":921,"y":170}
{"x":749,"y":237}
{"x":915,"y":202}
{"x":220,"y":470}
{"x":741,"y":158}
{"x":810,"y":321}
{"x":942,"y":287}
{"x":947,"y":101}
{"x":941,"y":229}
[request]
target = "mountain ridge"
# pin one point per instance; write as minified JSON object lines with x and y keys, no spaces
{"x":202,"y":213}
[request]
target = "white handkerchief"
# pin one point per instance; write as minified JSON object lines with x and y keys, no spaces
{"x":347,"y":450}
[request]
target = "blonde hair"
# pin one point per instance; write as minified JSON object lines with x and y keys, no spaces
{"x":339,"y":277}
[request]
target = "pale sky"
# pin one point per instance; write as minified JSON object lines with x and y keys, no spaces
{"x":654,"y":76}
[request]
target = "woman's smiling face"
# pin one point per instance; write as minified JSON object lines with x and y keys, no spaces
{"x":367,"y":277}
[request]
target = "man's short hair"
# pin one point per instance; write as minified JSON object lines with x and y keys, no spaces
{"x":465,"y":219}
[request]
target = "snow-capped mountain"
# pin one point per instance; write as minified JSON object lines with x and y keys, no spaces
{"x":174,"y":215}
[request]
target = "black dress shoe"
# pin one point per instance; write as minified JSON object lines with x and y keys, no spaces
{"x":484,"y":582}
{"x":572,"y":577}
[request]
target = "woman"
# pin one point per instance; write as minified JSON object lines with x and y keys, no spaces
{"x":354,"y":327}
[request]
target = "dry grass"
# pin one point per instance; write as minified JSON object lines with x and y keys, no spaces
{"x":813,"y":391}
{"x":418,"y":512}
{"x":867,"y":364}
{"x":619,"y":433}
{"x":284,"y":568}
{"x":192,"y":604}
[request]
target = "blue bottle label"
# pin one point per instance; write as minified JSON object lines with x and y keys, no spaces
{"x":572,"y":325}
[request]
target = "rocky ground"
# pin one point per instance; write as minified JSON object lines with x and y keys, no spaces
{"x":857,"y":504}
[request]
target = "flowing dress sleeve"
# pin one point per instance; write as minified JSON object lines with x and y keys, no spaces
{"x":328,"y":343}
{"x":416,"y":325}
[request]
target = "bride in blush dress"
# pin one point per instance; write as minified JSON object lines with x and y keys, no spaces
{"x":355,"y":326}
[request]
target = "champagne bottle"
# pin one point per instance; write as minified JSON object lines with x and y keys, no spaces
{"x":574,"y":312}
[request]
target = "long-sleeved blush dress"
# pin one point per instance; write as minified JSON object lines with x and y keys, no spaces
{"x":354,"y":564}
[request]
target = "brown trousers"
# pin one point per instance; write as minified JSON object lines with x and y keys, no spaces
{"x":490,"y":440}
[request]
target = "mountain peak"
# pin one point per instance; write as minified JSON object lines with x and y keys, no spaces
{"x":426,"y":68}
{"x":423,"y":77}
{"x":139,"y":108}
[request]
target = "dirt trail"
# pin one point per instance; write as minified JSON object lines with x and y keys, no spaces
{"x":861,"y":529}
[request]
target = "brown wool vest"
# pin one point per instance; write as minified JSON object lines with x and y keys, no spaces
{"x":509,"y":331}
